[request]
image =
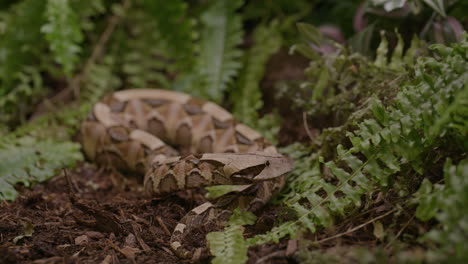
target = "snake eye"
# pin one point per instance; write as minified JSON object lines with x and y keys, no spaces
{"x":267,"y":163}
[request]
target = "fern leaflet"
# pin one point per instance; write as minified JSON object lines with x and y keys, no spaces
{"x":30,"y":161}
{"x":229,"y":246}
{"x":448,"y":204}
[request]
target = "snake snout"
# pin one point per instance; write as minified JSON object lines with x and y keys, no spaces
{"x":275,"y":167}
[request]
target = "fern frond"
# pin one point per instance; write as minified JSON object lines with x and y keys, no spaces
{"x":63,"y":33}
{"x":448,"y":204}
{"x":219,"y":59}
{"x":29,"y":161}
{"x":64,"y":123}
{"x":229,"y":246}
{"x":86,"y":10}
{"x":144,"y":62}
{"x":246,"y":95}
{"x":175,"y":28}
{"x":17,"y":49}
{"x":15,"y":104}
{"x":399,"y":135}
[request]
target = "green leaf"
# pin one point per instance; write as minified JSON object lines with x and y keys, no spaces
{"x":361,"y":42}
{"x":220,"y":190}
{"x":322,"y":83}
{"x":240,"y":218}
{"x":310,"y":33}
{"x":396,"y":61}
{"x":305,"y":50}
{"x":379,"y":231}
{"x":428,"y":204}
{"x":382,"y":51}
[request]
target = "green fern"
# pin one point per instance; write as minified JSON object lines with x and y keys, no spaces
{"x":448,"y":204}
{"x":143,"y":63}
{"x":229,"y":246}
{"x":63,"y":123}
{"x":15,"y":104}
{"x":246,"y":95}
{"x":176,"y":29}
{"x":87,"y":10}
{"x":399,"y":136}
{"x":29,"y":161}
{"x":219,"y":59}
{"x":63,"y":33}
{"x":19,"y":49}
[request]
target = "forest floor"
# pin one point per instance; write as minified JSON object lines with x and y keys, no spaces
{"x":92,"y":215}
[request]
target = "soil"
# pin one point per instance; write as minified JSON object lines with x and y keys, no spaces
{"x":87,"y":218}
{"x":92,"y":215}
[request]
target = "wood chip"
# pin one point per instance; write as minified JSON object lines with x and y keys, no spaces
{"x":80,"y":240}
{"x":107,"y":260}
{"x":131,"y":241}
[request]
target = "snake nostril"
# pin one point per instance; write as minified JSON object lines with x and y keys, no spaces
{"x":267,"y":163}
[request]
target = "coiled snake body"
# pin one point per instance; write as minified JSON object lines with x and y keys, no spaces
{"x":128,"y":130}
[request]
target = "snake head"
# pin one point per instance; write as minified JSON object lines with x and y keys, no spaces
{"x":258,"y":166}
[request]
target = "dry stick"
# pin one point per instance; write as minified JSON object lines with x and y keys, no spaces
{"x":69,"y":182}
{"x":164,"y":227}
{"x":276,"y":254}
{"x":356,"y":228}
{"x":399,"y":232}
{"x":74,"y":87}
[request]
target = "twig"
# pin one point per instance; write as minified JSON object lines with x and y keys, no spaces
{"x":142,"y":243}
{"x":71,"y":190}
{"x":73,"y":89}
{"x":356,"y":228}
{"x":267,"y":258}
{"x":163,"y":226}
{"x":399,"y":232}
{"x":306,"y":126}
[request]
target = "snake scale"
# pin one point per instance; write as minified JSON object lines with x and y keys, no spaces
{"x":179,"y":142}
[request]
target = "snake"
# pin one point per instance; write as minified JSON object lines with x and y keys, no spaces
{"x":173,"y":142}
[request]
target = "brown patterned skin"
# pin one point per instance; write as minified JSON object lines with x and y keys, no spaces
{"x":128,"y":130}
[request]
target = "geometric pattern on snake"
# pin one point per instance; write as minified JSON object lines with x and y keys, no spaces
{"x":179,"y":142}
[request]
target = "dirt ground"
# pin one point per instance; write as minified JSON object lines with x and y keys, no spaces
{"x":92,"y":215}
{"x":86,"y":218}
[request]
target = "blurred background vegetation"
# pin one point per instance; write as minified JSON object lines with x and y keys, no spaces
{"x":369,"y":97}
